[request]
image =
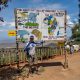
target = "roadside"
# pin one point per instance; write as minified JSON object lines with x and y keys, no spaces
{"x":53,"y":69}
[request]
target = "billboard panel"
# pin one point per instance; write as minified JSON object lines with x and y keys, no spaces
{"x":44,"y":24}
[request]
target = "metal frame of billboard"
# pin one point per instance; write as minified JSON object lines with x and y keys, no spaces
{"x":16,"y":26}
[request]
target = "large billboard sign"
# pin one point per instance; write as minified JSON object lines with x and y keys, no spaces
{"x":44,"y":24}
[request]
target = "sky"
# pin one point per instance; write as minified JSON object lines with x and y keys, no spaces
{"x":71,"y":6}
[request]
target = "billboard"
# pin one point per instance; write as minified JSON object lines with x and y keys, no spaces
{"x":44,"y":24}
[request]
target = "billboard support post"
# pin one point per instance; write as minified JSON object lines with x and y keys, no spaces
{"x":44,"y":24}
{"x":65,"y":53}
{"x":17,"y":45}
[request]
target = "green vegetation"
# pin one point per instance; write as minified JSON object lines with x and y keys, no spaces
{"x":31,"y":24}
{"x":8,"y":56}
{"x":23,"y":40}
{"x":76,"y":33}
{"x":3,"y":5}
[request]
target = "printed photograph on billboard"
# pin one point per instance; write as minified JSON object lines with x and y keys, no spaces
{"x":43,"y":24}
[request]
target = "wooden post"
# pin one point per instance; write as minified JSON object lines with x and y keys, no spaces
{"x":17,"y":45}
{"x":42,"y":53}
{"x":60,"y":50}
{"x":66,"y":60}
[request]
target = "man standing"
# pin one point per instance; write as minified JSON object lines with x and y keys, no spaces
{"x":31,"y":54}
{"x":71,"y":49}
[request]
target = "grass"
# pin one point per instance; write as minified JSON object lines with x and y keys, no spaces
{"x":11,"y":58}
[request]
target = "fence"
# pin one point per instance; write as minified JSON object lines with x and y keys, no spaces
{"x":8,"y":55}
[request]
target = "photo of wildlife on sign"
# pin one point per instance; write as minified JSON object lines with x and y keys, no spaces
{"x":44,"y":24}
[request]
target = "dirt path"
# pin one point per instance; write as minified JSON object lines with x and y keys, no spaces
{"x":53,"y":69}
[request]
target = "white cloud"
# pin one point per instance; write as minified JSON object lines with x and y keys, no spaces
{"x":69,"y":22}
{"x":74,"y":14}
{"x":3,"y":30}
{"x":68,"y":17}
{"x":12,"y":24}
{"x":3,"y":24}
{"x":54,"y":6}
{"x":51,"y":6}
{"x":8,"y":24}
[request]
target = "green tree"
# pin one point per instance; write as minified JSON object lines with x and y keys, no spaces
{"x":76,"y":32}
{"x":3,"y":5}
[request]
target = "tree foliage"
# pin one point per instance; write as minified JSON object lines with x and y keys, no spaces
{"x":76,"y":31}
{"x":3,"y":5}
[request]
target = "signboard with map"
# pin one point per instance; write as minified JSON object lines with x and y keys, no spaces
{"x":44,"y":24}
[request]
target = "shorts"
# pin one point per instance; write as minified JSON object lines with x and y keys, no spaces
{"x":32,"y":59}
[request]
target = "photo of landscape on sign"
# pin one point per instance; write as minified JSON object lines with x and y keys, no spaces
{"x":44,"y":24}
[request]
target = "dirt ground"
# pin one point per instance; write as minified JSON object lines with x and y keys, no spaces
{"x":53,"y":69}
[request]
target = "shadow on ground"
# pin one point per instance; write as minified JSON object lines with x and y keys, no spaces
{"x":51,"y":64}
{"x":8,"y":73}
{"x":48,"y":64}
